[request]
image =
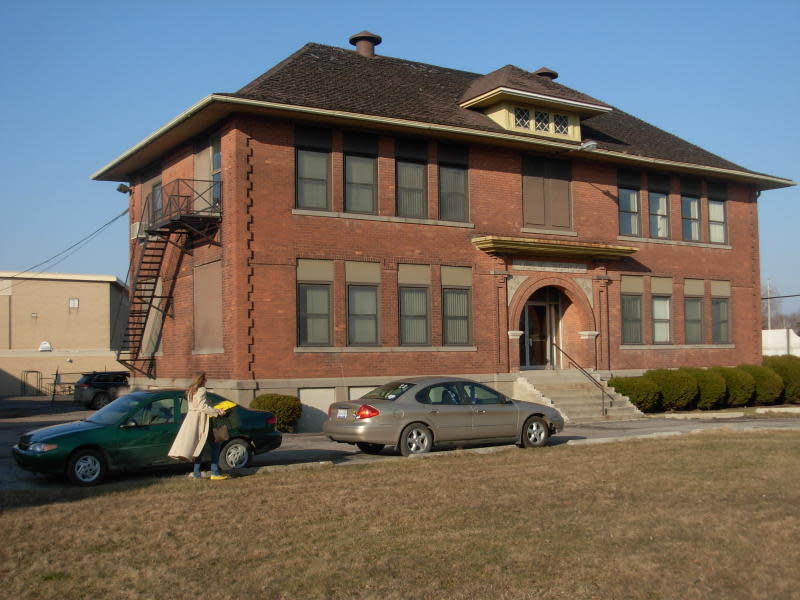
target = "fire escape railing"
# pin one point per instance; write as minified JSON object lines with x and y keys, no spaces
{"x":188,"y":210}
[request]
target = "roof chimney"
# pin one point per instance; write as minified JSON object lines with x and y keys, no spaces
{"x":365,"y":43}
{"x":547,"y":73}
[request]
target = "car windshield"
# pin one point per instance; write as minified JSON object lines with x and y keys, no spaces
{"x":388,"y":391}
{"x":112,"y":413}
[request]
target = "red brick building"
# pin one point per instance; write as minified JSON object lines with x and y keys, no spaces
{"x":347,"y":218}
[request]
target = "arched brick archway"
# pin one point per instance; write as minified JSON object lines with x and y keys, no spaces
{"x":579,"y":317}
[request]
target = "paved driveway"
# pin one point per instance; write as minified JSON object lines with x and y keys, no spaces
{"x":20,"y":415}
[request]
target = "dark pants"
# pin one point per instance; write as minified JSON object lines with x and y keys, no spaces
{"x":215,"y":450}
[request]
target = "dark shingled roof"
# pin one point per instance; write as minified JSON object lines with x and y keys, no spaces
{"x":332,"y":78}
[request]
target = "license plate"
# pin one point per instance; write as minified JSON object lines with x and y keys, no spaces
{"x":341,"y":413}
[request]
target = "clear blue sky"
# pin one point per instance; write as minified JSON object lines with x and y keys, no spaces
{"x":83,"y":81}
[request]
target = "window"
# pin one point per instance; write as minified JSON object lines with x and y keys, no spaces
{"x":160,"y":412}
{"x":453,"y":163}
{"x":312,"y":179}
{"x":455,"y":313}
{"x":313,"y":167}
{"x":631,"y":319}
{"x":542,"y":120}
{"x":716,"y":221}
{"x":446,"y":393}
{"x":628,"y":184}
{"x":658,"y":203}
{"x":690,"y":209}
{"x":156,"y":203}
{"x":74,"y":303}
{"x":693,"y":320}
{"x":720,"y":321}
{"x":479,"y":394}
{"x":414,"y":316}
{"x":216,"y":172}
{"x":360,"y":173}
{"x":522,"y":118}
{"x":546,"y":193}
{"x":362,"y":315}
{"x":661,"y":319}
{"x":561,"y":124}
{"x":313,"y":314}
{"x":411,"y":197}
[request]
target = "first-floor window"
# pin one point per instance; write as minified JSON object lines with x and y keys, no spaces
{"x":455,"y":312}
{"x":74,"y":303}
{"x":693,"y":320}
{"x":631,"y":319}
{"x":720,"y":321}
{"x":661,"y":319}
{"x":313,"y":314}
{"x":362,"y":315}
{"x":414,"y":316}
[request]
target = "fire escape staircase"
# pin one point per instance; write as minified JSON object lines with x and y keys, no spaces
{"x":184,"y":214}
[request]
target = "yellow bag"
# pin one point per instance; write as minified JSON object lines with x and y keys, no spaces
{"x":225,"y":405}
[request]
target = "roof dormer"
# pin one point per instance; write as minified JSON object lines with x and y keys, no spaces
{"x":531,"y":102}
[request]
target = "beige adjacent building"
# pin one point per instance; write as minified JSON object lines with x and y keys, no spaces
{"x":57,"y":322}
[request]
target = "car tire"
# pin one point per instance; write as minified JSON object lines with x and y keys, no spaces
{"x":415,"y":439}
{"x":235,"y":454}
{"x":100,"y":400}
{"x":368,"y":448}
{"x":86,"y":467}
{"x":535,"y":432}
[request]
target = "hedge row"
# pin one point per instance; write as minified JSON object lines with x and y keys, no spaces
{"x":777,"y":380}
{"x":287,"y":409}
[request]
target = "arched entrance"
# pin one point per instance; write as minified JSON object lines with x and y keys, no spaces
{"x":540,"y":324}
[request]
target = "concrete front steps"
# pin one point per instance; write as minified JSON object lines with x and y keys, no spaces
{"x":578,"y":399}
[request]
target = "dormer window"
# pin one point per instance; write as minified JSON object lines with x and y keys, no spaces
{"x":542,"y":121}
{"x":522,"y":118}
{"x":561,"y":124}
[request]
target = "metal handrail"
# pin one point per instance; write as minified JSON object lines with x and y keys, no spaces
{"x":588,"y":376}
{"x":181,"y":198}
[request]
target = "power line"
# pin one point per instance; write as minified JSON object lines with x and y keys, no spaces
{"x":787,"y":296}
{"x":64,"y":254}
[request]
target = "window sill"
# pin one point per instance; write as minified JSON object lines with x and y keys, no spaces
{"x":365,"y":217}
{"x":204,"y":351}
{"x":677,"y":347}
{"x":630,"y":238}
{"x":367,"y":349}
{"x":546,"y":231}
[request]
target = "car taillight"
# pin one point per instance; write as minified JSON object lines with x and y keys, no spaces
{"x":84,"y":385}
{"x":273,"y":420}
{"x":366,"y":411}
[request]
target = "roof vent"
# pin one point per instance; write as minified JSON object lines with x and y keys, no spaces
{"x":365,"y":43}
{"x":547,"y":73}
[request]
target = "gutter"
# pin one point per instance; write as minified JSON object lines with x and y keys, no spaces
{"x":208,"y":101}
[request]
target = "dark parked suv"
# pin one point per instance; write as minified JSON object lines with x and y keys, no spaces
{"x":96,"y":389}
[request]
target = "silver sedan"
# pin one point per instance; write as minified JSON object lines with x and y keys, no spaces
{"x":416,"y":413}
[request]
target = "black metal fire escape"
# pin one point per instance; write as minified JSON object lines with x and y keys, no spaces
{"x":182,"y":213}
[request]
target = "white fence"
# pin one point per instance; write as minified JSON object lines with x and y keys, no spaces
{"x":780,"y":341}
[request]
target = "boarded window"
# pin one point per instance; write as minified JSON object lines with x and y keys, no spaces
{"x":546,"y":192}
{"x":208,"y":308}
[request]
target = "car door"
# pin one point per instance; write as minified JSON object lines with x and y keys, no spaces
{"x":442,"y":407}
{"x":492,"y":415}
{"x":146,"y":436}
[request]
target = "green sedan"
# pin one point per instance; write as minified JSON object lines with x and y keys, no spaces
{"x":135,"y":432}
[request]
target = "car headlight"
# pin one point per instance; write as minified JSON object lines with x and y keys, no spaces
{"x":42,"y":447}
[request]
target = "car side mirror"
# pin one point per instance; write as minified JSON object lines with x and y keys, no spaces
{"x":128,"y":424}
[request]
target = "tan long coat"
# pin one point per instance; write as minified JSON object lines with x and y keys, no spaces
{"x":192,"y":435}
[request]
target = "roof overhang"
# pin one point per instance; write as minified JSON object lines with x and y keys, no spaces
{"x":501,"y":94}
{"x":516,"y":246}
{"x":216,"y":107}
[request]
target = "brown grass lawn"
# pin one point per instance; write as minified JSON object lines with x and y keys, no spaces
{"x":703,"y":516}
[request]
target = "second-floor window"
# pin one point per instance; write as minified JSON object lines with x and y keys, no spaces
{"x":216,"y":172}
{"x":313,"y":167}
{"x":546,"y":193}
{"x":658,"y":204}
{"x":360,"y":173}
{"x":453,"y":166}
{"x":412,"y":181}
{"x":690,"y":210}
{"x":628,"y":183}
{"x":717,"y":212}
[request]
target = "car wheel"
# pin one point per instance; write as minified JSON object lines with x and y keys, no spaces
{"x":415,"y":439}
{"x":535,"y":432}
{"x":368,"y":448}
{"x":235,"y":454}
{"x":86,"y":467}
{"x":100,"y":400}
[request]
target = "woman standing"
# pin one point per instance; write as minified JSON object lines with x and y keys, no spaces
{"x":195,"y":431}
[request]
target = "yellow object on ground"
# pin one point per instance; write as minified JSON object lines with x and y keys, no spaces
{"x":225,"y":405}
{"x":220,"y":477}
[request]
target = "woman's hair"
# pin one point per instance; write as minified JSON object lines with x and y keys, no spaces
{"x":197,"y":382}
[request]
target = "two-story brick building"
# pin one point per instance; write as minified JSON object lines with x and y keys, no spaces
{"x":347,"y":218}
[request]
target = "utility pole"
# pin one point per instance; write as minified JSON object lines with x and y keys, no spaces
{"x":769,"y":304}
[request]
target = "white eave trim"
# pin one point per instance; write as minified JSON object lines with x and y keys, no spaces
{"x":533,"y":96}
{"x":406,"y":123}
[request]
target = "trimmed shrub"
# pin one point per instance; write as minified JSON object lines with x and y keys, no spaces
{"x":287,"y":409}
{"x":642,"y":393}
{"x":741,"y":385}
{"x":769,"y":385}
{"x":711,"y":387}
{"x":788,"y":367}
{"x":678,"y":389}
